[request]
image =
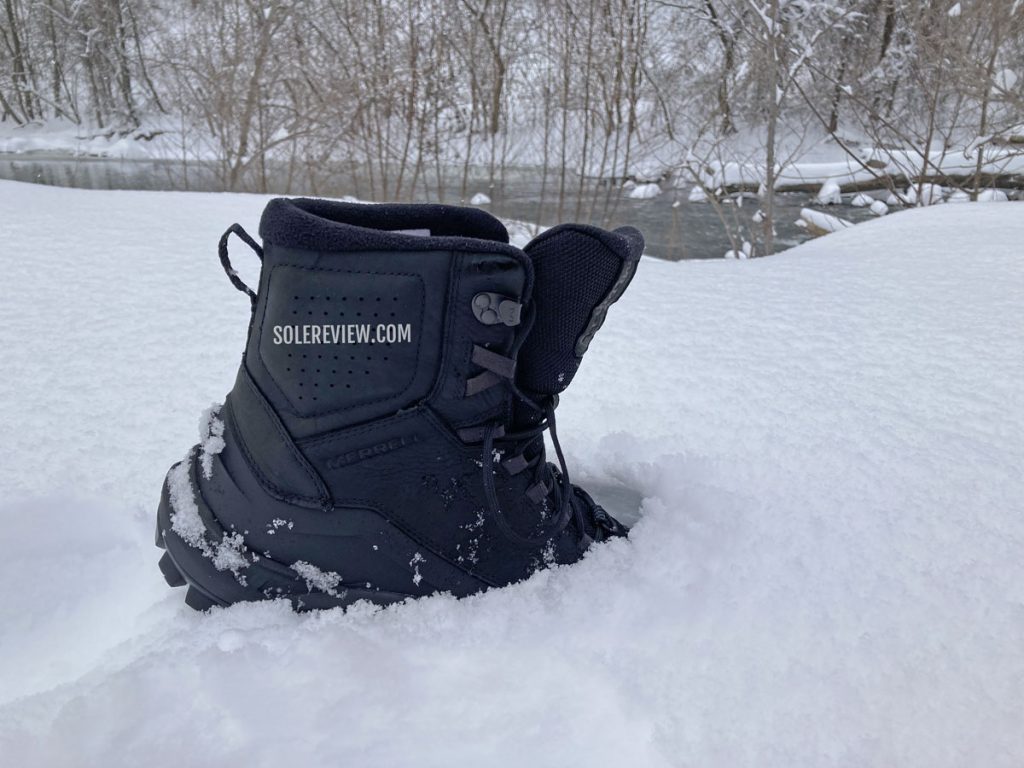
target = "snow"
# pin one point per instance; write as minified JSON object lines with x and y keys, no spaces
{"x":211,"y":437}
{"x":644,"y":191}
{"x":821,"y":454}
{"x":998,"y":160}
{"x":992,"y":196}
{"x":479,"y":199}
{"x":229,"y":554}
{"x":822,"y":223}
{"x":862,"y":200}
{"x":745,"y":251}
{"x":932,"y":194}
{"x":829,"y":194}
{"x":954,"y":11}
{"x":1005,"y":79}
{"x":522,"y":232}
{"x":316,"y":578}
{"x":879,"y":208}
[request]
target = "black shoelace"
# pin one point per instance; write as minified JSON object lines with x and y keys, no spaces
{"x":548,"y":480}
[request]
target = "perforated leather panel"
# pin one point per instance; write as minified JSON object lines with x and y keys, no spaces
{"x":336,"y":339}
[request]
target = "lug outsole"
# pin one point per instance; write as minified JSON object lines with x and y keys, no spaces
{"x":197,"y":601}
{"x":182,"y":566}
{"x":194,"y":597}
{"x":170,"y":571}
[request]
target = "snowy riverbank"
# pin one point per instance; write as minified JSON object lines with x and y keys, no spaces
{"x":823,"y":450}
{"x":63,"y":138}
{"x":814,"y":163}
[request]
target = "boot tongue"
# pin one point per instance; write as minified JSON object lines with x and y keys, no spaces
{"x":579,"y":271}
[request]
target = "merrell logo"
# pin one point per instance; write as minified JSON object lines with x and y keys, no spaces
{"x":351,"y":333}
{"x":370,"y":451}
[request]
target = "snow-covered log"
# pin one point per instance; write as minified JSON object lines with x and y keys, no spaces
{"x":819,"y":223}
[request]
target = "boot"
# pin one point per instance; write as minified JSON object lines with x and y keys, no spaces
{"x":384,"y":435}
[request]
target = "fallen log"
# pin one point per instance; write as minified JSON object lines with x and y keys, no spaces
{"x":819,"y":223}
{"x":888,"y":181}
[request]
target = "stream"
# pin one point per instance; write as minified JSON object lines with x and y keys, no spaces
{"x":673,"y":227}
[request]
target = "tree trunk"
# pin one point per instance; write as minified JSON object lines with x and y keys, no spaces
{"x":728,"y":65}
{"x":771,"y":37}
{"x":19,"y":77}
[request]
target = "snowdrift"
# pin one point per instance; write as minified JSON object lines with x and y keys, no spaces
{"x":821,"y":452}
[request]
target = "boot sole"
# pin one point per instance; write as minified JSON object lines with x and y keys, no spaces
{"x":183,"y":565}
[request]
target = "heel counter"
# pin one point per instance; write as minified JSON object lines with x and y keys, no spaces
{"x":268,"y":448}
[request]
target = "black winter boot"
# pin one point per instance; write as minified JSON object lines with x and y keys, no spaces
{"x":384,"y":436}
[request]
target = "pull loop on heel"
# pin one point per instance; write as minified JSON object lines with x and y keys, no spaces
{"x":225,"y":262}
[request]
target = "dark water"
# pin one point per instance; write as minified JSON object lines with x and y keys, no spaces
{"x":673,"y":227}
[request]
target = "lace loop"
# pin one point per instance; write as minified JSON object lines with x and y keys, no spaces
{"x":476,"y":434}
{"x":493,"y":362}
{"x":515,"y":465}
{"x":496,"y":368}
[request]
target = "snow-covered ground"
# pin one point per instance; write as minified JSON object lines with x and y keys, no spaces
{"x":823,"y":449}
